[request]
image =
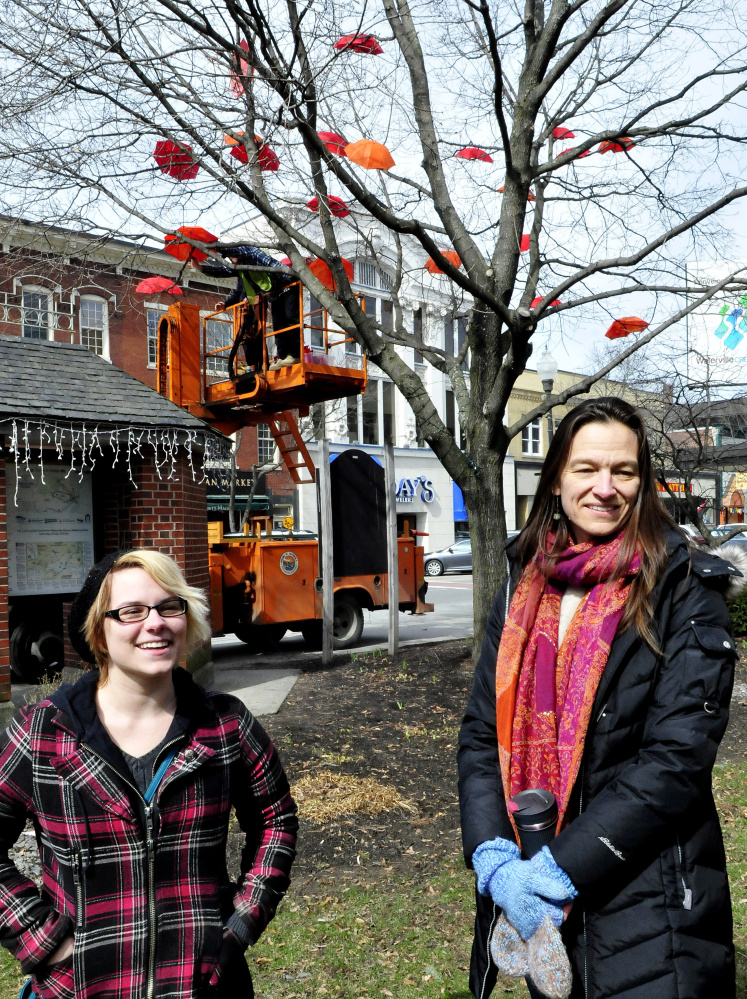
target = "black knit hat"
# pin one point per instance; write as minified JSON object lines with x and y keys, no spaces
{"x":85,"y":600}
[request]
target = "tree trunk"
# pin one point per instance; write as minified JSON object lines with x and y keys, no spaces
{"x":484,"y":500}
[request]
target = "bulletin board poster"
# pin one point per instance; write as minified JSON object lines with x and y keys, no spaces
{"x":50,"y":532}
{"x":717,"y":331}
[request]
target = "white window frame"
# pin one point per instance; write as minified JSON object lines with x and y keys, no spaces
{"x":263,"y":437}
{"x":531,"y":438}
{"x":37,"y":289}
{"x":105,"y":324}
{"x":365,"y":274}
{"x":223,"y":357}
{"x":162,"y":310}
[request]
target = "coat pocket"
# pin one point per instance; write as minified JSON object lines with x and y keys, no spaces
{"x":677,"y":889}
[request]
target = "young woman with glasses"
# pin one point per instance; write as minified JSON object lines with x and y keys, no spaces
{"x":130,"y":776}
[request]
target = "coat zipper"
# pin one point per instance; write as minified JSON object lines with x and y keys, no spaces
{"x":150,"y":846}
{"x":583,"y":911}
{"x":687,"y":893}
{"x":487,"y":954}
{"x":78,"y":882}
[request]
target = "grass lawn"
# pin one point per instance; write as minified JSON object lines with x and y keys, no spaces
{"x":410,"y":939}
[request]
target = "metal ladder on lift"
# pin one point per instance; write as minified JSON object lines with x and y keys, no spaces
{"x":290,"y":445}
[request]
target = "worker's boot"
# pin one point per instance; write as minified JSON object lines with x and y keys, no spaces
{"x":285,"y":363}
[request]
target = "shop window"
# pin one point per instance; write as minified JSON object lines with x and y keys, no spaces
{"x":37,"y":304}
{"x":151,"y":317}
{"x":265,"y":445}
{"x":94,"y":325}
{"x":531,"y":438}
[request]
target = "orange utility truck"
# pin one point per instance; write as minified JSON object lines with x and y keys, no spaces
{"x":220,"y":370}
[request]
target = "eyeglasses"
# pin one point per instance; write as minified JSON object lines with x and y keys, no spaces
{"x":173,"y":607}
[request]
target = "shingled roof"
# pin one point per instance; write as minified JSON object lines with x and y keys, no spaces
{"x":44,"y":379}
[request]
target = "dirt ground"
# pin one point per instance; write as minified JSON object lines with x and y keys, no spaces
{"x":395,"y":724}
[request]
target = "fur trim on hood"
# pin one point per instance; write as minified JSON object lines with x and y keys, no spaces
{"x":737,"y":555}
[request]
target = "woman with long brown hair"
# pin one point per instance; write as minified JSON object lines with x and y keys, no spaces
{"x":605,"y":679}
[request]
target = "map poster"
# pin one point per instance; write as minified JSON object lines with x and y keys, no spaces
{"x":50,"y":532}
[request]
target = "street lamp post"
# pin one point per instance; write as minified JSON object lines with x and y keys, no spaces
{"x":547,"y":369}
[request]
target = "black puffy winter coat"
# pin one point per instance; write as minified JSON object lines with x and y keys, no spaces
{"x":653,"y":915}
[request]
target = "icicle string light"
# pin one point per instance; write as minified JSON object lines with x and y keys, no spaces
{"x":82,"y":441}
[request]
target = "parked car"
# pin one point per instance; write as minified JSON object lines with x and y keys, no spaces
{"x":723,"y":530}
{"x":455,"y":558}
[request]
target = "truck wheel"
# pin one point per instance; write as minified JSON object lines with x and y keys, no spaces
{"x":347,"y":625}
{"x":262,"y":638}
{"x":433,"y":567}
{"x":312,"y":634}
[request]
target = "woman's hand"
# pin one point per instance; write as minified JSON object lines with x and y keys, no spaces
{"x":63,"y":951}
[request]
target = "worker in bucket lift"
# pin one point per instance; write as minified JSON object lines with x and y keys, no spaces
{"x":282,"y":297}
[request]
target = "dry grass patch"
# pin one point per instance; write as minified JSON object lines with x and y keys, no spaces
{"x":327,"y":796}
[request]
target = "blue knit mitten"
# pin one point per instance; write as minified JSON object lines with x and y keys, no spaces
{"x":526,"y":890}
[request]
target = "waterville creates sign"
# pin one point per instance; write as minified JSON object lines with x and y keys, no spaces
{"x":421,"y":487}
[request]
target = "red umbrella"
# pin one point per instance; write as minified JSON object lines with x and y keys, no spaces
{"x":321,"y":271}
{"x":175,"y":160}
{"x":182,"y":250}
{"x":530,"y":194}
{"x":359,"y":43}
{"x":473,"y":153}
{"x":572,"y":149}
{"x":369,"y":154}
{"x":626,"y":326}
{"x":153,"y":285}
{"x":536,"y":301}
{"x":524,"y":244}
{"x":619,"y":146}
{"x":334,"y":142}
{"x":286,"y":261}
{"x":336,"y":206}
{"x":237,"y":87}
{"x":562,"y":133}
{"x":451,"y":255}
{"x":268,"y":159}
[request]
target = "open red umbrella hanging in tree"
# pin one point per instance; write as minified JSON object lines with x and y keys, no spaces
{"x":562,"y":133}
{"x":175,"y":160}
{"x":321,"y":271}
{"x":369,"y":154}
{"x":616,"y":146}
{"x":536,"y":302}
{"x":183,"y":250}
{"x":334,"y":142}
{"x":473,"y":153}
{"x":451,"y":255}
{"x":626,"y":326}
{"x":268,"y":159}
{"x":154,"y":285}
{"x":524,"y":244}
{"x":572,"y":149}
{"x":336,"y":206}
{"x":530,"y":194}
{"x":237,"y":87}
{"x":366,"y":44}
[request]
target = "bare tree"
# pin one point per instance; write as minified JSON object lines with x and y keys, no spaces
{"x":651,"y":93}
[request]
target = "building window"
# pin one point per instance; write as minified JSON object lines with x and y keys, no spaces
{"x":531,"y":438}
{"x":365,"y":273}
{"x":36,"y":313}
{"x":387,"y":316}
{"x":461,"y":337}
{"x":94,"y":325}
{"x":217,"y":335}
{"x":265,"y":445}
{"x":449,"y":335}
{"x":315,"y":320}
{"x":417,"y":331}
{"x":450,"y":414}
{"x":352,"y":416}
{"x":387,"y":409}
{"x":152,"y":316}
{"x":371,"y":412}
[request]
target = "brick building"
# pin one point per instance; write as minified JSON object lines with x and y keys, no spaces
{"x":73,"y":287}
{"x":91,"y":460}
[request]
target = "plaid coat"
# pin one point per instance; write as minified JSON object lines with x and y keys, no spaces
{"x":141,"y":888}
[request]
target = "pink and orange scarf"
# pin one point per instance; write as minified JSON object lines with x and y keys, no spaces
{"x":544,"y":696}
